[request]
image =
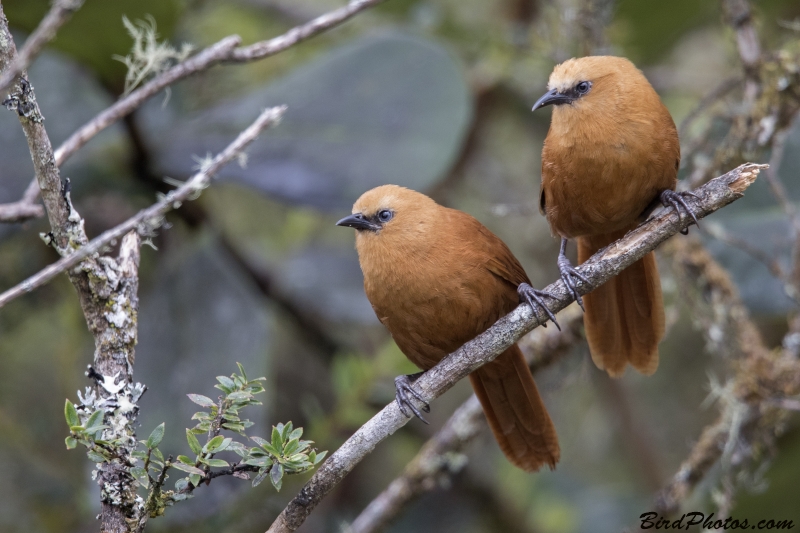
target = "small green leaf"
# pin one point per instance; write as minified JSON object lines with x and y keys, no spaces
{"x":95,"y":420}
{"x":241,"y":370}
{"x":194,"y":479}
{"x":95,"y":430}
{"x":203,"y":401}
{"x":276,"y":476}
{"x":226,"y":382}
{"x":277,"y":442}
{"x":312,"y":456}
{"x":291,"y":447}
{"x":185,"y":460}
{"x":155,"y":437}
{"x":141,"y":476}
{"x":71,"y":414}
{"x":71,"y":442}
{"x":237,"y":448}
{"x":212,"y":445}
{"x":257,"y":452}
{"x":261,"y":462}
{"x":239,"y":396}
{"x":320,"y":457}
{"x":96,"y":457}
{"x":285,"y":431}
{"x":296,"y":434}
{"x":233,"y":426}
{"x":217,"y":463}
{"x":194,"y":444}
{"x":259,"y":441}
{"x":262,"y":474}
{"x":189,"y":469}
{"x":181,"y":484}
{"x":157,"y":453}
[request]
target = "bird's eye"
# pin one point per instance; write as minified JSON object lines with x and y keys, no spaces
{"x":583,"y":87}
{"x":385,"y":215}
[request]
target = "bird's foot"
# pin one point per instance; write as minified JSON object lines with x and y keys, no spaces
{"x":569,"y":275}
{"x":403,"y":388}
{"x":534,"y":299}
{"x":677,"y":200}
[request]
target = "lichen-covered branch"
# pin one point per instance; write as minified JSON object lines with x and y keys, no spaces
{"x":607,"y":263}
{"x":67,"y":226}
{"x":441,"y":457}
{"x":147,"y":220}
{"x":59,"y":13}
{"x":768,"y":106}
{"x":225,"y":50}
{"x":751,"y":412}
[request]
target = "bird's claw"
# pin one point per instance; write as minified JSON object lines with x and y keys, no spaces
{"x":677,"y":200}
{"x":568,"y":272}
{"x":534,"y":298}
{"x":403,"y":388}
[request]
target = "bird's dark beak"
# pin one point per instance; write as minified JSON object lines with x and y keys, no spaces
{"x":551,"y":98}
{"x":358,"y":221}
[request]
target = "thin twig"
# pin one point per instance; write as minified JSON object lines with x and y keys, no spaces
{"x":440,"y":458}
{"x":225,"y":50}
{"x":433,"y":383}
{"x":60,"y":13}
{"x":148,"y":219}
{"x":298,"y":34}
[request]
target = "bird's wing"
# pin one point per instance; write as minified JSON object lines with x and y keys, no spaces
{"x":496,"y":256}
{"x":483,"y":249}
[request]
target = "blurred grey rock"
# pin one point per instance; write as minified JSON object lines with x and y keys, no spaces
{"x":388,"y":108}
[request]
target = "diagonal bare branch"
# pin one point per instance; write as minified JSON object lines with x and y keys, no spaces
{"x":598,"y":269}
{"x":298,"y":34}
{"x":146,"y":220}
{"x":751,"y":403}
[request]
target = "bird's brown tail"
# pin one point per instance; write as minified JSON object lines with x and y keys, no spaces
{"x":624,"y":318}
{"x":515,"y":411}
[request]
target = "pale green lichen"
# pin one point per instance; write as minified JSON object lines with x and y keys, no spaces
{"x":148,"y":57}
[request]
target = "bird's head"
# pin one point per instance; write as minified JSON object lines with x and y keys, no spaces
{"x":595,"y":84}
{"x":390,"y":214}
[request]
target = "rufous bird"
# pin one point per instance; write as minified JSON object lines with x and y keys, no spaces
{"x":611,"y":153}
{"x":437,"y":278}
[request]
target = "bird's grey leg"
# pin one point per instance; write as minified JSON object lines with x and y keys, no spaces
{"x":403,"y":388}
{"x":569,"y":274}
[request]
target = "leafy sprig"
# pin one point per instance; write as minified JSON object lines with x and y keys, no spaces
{"x":284,"y":454}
